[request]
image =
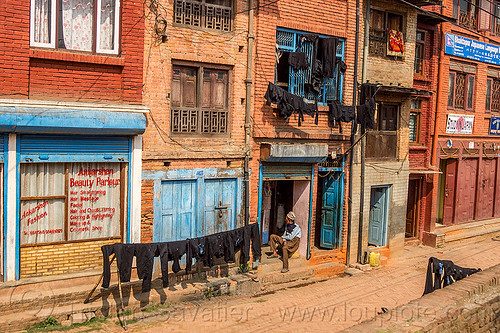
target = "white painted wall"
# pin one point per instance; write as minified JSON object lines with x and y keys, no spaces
{"x":301,"y":198}
{"x":10,"y":236}
{"x":135,"y":189}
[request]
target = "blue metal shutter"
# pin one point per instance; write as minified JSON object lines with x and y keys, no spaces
{"x":74,"y":148}
{"x":273,"y":171}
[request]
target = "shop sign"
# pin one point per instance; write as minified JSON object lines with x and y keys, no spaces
{"x":459,"y":124}
{"x":472,"y":49}
{"x":495,"y":126}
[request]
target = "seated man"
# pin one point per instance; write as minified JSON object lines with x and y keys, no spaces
{"x":289,"y":242}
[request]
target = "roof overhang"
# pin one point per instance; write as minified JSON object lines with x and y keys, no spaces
{"x":405,"y":91}
{"x":298,"y":153}
{"x":71,"y":118}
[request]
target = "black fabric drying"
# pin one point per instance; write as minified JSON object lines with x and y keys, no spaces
{"x":205,"y":249}
{"x":339,"y":113}
{"x":298,"y":60}
{"x":367,"y":91}
{"x":327,"y":50}
{"x":441,"y":273}
{"x":366,"y":111}
{"x":176,"y":250}
{"x":342,"y":66}
{"x":145,"y":254}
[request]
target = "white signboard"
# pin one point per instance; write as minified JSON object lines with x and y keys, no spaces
{"x":459,"y":124}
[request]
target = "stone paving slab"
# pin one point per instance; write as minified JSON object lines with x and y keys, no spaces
{"x":329,"y":306}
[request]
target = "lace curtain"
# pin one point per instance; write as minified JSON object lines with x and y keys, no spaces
{"x":107,"y":25}
{"x":41,"y":29}
{"x":77,"y":19}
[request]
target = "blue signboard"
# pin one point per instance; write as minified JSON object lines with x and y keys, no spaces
{"x":495,"y":126}
{"x":472,"y":49}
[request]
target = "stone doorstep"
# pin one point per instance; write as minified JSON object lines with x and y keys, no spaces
{"x":468,"y":227}
{"x":70,"y":305}
{"x":473,"y":235}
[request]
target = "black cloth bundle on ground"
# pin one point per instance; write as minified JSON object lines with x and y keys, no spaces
{"x":289,"y":103}
{"x":441,"y":273}
{"x":204,"y":249}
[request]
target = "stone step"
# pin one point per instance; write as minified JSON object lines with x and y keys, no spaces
{"x":469,"y":227}
{"x":474,"y":234}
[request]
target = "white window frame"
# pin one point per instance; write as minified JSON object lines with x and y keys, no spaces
{"x":116,"y":38}
{"x":52,"y":43}
{"x":53,"y":22}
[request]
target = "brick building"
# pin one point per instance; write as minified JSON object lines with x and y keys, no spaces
{"x":465,"y":146}
{"x":195,"y":64}
{"x":71,"y":124}
{"x":381,"y":161}
{"x":298,"y":164}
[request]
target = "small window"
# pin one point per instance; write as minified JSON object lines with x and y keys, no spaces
{"x":493,"y":95}
{"x":466,"y":11}
{"x":461,"y":91}
{"x":414,"y":122}
{"x":495,"y":26}
{"x":488,"y":94}
{"x":388,"y":118}
{"x":91,"y":26}
{"x":418,"y":67}
{"x":199,"y":107}
{"x":208,"y":14}
{"x":382,"y":142}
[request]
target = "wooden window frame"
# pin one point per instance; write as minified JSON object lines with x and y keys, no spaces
{"x":421,"y":42}
{"x":55,"y":29}
{"x":466,"y":91}
{"x":417,"y":126}
{"x":495,"y":21}
{"x":468,"y":17}
{"x":199,"y":95}
{"x":374,"y":38}
{"x":65,"y":196}
{"x":179,"y":20}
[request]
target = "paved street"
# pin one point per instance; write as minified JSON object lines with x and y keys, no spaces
{"x":327,"y":306}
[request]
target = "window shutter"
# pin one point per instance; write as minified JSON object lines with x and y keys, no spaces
{"x":485,"y":15}
{"x":188,"y":87}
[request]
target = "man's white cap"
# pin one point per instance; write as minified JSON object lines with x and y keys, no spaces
{"x":291,"y":215}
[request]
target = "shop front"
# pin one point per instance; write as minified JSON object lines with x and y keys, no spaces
{"x":69,"y":194}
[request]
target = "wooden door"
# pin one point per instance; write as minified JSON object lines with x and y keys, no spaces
{"x":449,"y":191}
{"x":377,"y":231}
{"x":331,"y":210}
{"x":412,"y":207}
{"x":486,"y":189}
{"x":466,"y":190}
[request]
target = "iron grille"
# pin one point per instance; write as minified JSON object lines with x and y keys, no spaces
{"x":495,"y":96}
{"x":198,"y":13}
{"x":460,"y":91}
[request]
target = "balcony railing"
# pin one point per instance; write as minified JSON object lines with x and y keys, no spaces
{"x":468,"y":19}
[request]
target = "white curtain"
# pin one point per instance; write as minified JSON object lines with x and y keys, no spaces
{"x":107,"y":25}
{"x":77,"y":19}
{"x":41,"y":21}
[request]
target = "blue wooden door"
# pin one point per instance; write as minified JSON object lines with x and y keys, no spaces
{"x":220,"y":205}
{"x":378,"y":216}
{"x":331,"y":210}
{"x":178,"y":211}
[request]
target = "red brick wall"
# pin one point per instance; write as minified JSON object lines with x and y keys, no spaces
{"x":42,"y":73}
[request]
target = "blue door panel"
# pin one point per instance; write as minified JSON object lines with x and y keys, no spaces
{"x":378,"y":216}
{"x":331,"y":210}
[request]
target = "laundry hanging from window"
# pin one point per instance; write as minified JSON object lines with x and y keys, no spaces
{"x":289,"y":103}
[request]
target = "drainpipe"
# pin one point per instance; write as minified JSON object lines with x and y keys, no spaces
{"x":363,"y":140}
{"x":353,"y":128}
{"x":438,"y":96}
{"x":248,"y":106}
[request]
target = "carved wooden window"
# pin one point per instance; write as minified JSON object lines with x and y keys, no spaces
{"x":199,"y":102}
{"x":495,"y":27}
{"x":381,"y":143}
{"x":209,"y":14}
{"x":493,"y":94}
{"x":461,"y":91}
{"x":466,"y":11}
{"x":380,"y":22}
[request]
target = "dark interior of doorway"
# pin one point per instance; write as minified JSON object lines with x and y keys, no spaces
{"x":277,"y":199}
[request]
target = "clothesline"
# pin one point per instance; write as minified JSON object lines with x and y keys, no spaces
{"x":203,"y":249}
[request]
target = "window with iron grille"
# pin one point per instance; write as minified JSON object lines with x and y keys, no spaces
{"x":461,"y":91}
{"x":295,"y":81}
{"x":414,"y":122}
{"x":493,"y":94}
{"x":208,"y":14}
{"x":199,"y":100}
